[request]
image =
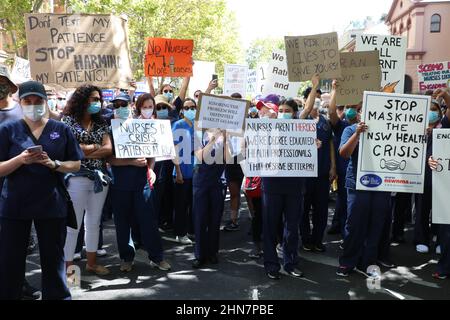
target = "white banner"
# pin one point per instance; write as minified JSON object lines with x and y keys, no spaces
{"x":392,"y":152}
{"x":252,"y":82}
{"x":235,"y":79}
{"x":280,"y":148}
{"x":441,"y":176}
{"x":277,"y":77}
{"x":138,"y":138}
{"x":433,"y":76}
{"x":203,"y":71}
{"x":392,"y":58}
{"x":217,"y":112}
{"x":21,"y":70}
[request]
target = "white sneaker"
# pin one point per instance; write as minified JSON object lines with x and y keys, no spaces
{"x":101,"y":253}
{"x":183,"y":240}
{"x":438,"y":250}
{"x":77,"y":257}
{"x":421,"y":248}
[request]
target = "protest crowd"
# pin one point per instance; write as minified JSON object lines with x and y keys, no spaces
{"x":163,"y":161}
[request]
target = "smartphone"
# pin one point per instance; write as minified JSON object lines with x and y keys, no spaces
{"x":214,"y":76}
{"x":35,"y":149}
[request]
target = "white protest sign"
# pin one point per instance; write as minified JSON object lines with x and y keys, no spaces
{"x":261,"y":77}
{"x":235,"y":79}
{"x":217,"y":112}
{"x":21,"y":70}
{"x":277,"y":77}
{"x":441,"y":176}
{"x":280,"y":148}
{"x":392,"y":152}
{"x":139,"y":138}
{"x":252,"y":82}
{"x":203,"y":71}
{"x":392,"y":58}
{"x":433,"y":76}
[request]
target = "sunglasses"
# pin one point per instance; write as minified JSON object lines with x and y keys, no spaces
{"x":187,"y":108}
{"x":120,"y":105}
{"x":166,"y":91}
{"x":163,"y":107}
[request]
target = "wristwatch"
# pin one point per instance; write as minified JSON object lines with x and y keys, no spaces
{"x":57,"y":164}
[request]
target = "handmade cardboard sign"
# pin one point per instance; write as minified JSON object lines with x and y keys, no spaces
{"x":441,"y":176}
{"x":69,"y":50}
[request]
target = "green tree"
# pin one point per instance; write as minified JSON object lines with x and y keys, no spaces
{"x":260,"y":50}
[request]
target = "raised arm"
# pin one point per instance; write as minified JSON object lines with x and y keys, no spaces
{"x":150,"y":86}
{"x":184,"y":87}
{"x":334,"y":119}
{"x":311,"y":98}
{"x":347,"y":149}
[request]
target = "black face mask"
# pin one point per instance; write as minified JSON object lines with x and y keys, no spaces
{"x":5,"y":90}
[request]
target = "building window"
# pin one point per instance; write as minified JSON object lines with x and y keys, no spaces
{"x":435,"y":23}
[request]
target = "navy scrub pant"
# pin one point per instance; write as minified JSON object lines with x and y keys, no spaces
{"x":402,"y":213}
{"x":316,"y":196}
{"x":422,"y":231}
{"x":207,"y":212}
{"x":136,"y":206}
{"x":182,"y":219}
{"x":14,"y":237}
{"x":340,"y":211}
{"x":443,"y":266}
{"x":367,"y":211}
{"x":290,"y":206}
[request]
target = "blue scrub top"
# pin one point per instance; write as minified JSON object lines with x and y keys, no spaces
{"x":187,"y":169}
{"x":341,"y":163}
{"x":324,"y":134}
{"x":128,"y":178}
{"x":207,"y":175}
{"x":31,"y":192}
{"x":350,"y":179}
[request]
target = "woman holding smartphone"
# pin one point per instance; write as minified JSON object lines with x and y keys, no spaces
{"x":34,"y":153}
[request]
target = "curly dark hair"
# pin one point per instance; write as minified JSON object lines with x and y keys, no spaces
{"x":79,"y":102}
{"x":140,"y":101}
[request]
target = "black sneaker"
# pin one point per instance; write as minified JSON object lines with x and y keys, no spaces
{"x":387,"y":264}
{"x":29,"y":292}
{"x":308,"y":247}
{"x":198,"y":263}
{"x":255,"y":254}
{"x":343,"y":271}
{"x":295,"y":273}
{"x":398,"y":239}
{"x":341,"y":245}
{"x":319,"y":248}
{"x":439,"y":276}
{"x":274,"y":275}
{"x":231,"y":226}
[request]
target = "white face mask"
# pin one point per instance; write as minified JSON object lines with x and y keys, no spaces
{"x":34,"y":112}
{"x":147,"y":113}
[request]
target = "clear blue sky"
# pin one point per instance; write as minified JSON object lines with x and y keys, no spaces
{"x":277,"y":18}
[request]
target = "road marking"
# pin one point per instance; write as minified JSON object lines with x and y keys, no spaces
{"x":255,"y":294}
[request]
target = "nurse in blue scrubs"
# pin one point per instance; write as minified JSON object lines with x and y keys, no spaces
{"x":132,"y":201}
{"x":367,"y":211}
{"x":283,"y":197}
{"x":208,"y":194}
{"x":317,"y":188}
{"x":34,"y":154}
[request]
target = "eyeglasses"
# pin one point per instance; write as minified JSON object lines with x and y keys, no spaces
{"x":166,"y":91}
{"x":189,"y":107}
{"x":159,"y":107}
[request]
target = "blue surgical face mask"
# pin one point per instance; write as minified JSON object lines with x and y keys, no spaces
{"x":162,"y":114}
{"x":34,"y":112}
{"x":350,"y":114}
{"x":433,"y":117}
{"x":285,"y":115}
{"x":190,"y":114}
{"x":94,"y":108}
{"x":253,"y":110}
{"x":122,"y":113}
{"x":169,"y":96}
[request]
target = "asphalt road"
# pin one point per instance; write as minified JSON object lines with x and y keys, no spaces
{"x":239,"y":277}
